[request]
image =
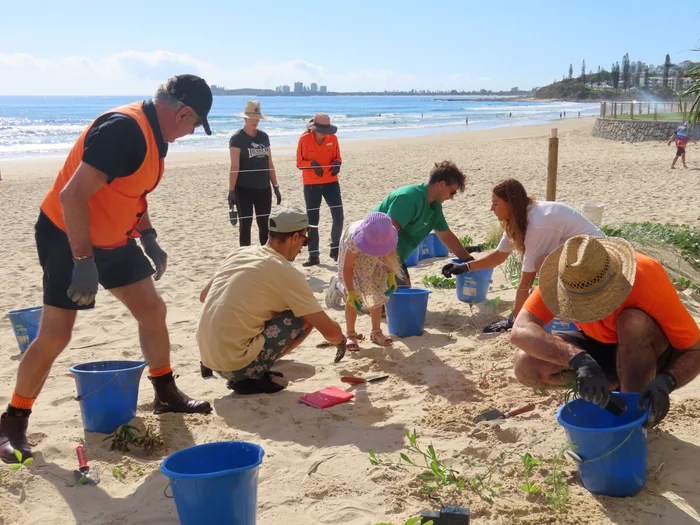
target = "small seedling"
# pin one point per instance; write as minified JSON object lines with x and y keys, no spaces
{"x":437,"y":475}
{"x":556,"y":490}
{"x":465,"y":241}
{"x":80,"y":482}
{"x":529,"y":465}
{"x":436,"y":281}
{"x":26,"y":463}
{"x":410,"y":521}
{"x":127,"y":435}
{"x":118,"y":471}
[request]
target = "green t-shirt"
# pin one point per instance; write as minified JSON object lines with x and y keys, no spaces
{"x":409,"y":207}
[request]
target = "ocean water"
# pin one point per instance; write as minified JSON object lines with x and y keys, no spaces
{"x":48,"y":126}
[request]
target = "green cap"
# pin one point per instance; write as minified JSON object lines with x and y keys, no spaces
{"x":288,"y":220}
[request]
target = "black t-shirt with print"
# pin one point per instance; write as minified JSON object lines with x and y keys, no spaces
{"x":255,"y":154}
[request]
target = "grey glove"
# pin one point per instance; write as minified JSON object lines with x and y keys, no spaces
{"x":318,"y":170}
{"x":591,"y":381}
{"x":83,"y":284}
{"x":277,"y":194}
{"x":336,"y":168}
{"x":231,"y":198}
{"x":156,"y":253}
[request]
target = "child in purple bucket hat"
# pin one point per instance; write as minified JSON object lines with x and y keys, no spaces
{"x":367,"y":268}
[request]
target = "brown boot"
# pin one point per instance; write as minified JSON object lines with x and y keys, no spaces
{"x":169,"y":398}
{"x":13,"y":434}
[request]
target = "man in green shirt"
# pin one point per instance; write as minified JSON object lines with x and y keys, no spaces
{"x":416,"y":210}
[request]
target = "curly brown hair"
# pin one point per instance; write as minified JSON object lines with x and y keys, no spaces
{"x":449,"y":173}
{"x":511,"y":191}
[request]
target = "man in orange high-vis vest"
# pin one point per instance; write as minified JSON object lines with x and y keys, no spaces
{"x":85,"y":236}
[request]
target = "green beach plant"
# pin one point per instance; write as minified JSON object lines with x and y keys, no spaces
{"x":438,"y":281}
{"x":21,"y":463}
{"x":436,"y":475}
{"x":529,"y":465}
{"x":411,"y":521}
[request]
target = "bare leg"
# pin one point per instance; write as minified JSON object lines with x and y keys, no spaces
{"x":640,"y":344}
{"x":149,"y":310}
{"x":54,"y":335}
{"x":375,"y":314}
{"x":673,"y":164}
{"x":683,"y":159}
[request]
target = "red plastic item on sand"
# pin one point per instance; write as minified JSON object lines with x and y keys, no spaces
{"x":82,"y":461}
{"x":327,"y":397}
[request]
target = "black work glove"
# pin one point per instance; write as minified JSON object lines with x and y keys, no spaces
{"x":277,"y":194}
{"x":231,"y":198}
{"x":317,"y":168}
{"x":500,"y":326}
{"x":590,"y":379}
{"x":156,"y":253}
{"x":336,"y":168}
{"x":340,"y":351}
{"x":451,"y":269}
{"x":657,"y":393}
{"x":83,"y":284}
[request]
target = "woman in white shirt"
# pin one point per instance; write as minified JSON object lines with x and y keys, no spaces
{"x":534,"y":229}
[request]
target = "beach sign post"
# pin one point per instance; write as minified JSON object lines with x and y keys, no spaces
{"x":552,"y":162}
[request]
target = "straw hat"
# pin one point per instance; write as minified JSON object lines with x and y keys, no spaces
{"x":252,"y":110}
{"x":588,"y":278}
{"x":376,"y":235}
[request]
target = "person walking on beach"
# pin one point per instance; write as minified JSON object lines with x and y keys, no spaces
{"x":251,"y":173}
{"x":367,"y":271}
{"x":681,"y":137}
{"x":85,"y":236}
{"x":416,"y":210}
{"x":634,"y":333}
{"x":318,"y":158}
{"x":533,"y":229}
{"x":258,"y":308}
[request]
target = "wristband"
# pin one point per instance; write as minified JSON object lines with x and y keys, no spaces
{"x":82,"y":257}
{"x":148,"y":231}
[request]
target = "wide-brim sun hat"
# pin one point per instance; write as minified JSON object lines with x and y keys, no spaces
{"x":588,"y":278}
{"x":321,"y":123}
{"x":376,"y":235}
{"x":252,"y":110}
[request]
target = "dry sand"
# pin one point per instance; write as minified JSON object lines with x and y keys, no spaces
{"x":316,"y":468}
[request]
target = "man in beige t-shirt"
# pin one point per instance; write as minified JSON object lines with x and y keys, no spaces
{"x":258,"y":308}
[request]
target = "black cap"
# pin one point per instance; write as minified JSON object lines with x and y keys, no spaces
{"x":194,"y":92}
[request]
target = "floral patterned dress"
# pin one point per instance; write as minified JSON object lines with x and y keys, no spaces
{"x":369,"y":275}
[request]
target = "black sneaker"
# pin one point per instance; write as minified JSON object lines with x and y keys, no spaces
{"x":334,"y":254}
{"x":255,"y":386}
{"x":313,"y":261}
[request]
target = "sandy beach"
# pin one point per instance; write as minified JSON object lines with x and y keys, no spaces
{"x":316,"y":468}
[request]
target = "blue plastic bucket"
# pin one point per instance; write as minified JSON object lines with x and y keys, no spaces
{"x":472,"y":287}
{"x":560,"y":325}
{"x":426,"y":248}
{"x":439,"y":248}
{"x":25,"y":323}
{"x":406,"y":310}
{"x":413,"y":259}
{"x":215,"y":482}
{"x":612,"y":449}
{"x":108,"y":392}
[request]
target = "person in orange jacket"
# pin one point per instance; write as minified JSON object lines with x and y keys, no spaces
{"x":318,"y":156}
{"x":85,"y":236}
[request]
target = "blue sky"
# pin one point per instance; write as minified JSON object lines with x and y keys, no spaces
{"x":95,"y":48}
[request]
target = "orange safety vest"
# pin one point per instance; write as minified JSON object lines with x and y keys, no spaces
{"x":309,"y":150}
{"x":116,"y":208}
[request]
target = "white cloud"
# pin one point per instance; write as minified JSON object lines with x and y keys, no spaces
{"x":139,"y":73}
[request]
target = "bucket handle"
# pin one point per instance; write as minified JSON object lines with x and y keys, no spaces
{"x":573,"y":455}
{"x":165,"y":490}
{"x":80,"y":398}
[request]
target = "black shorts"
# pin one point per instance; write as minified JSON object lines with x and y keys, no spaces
{"x":605,"y":354}
{"x":115,"y":268}
{"x":680,"y":152}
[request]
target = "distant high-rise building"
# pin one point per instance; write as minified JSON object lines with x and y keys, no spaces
{"x":324,"y":89}
{"x":314,"y":87}
{"x":298,"y":87}
{"x":285,"y":89}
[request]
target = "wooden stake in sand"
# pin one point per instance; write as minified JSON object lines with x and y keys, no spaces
{"x":552,"y":163}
